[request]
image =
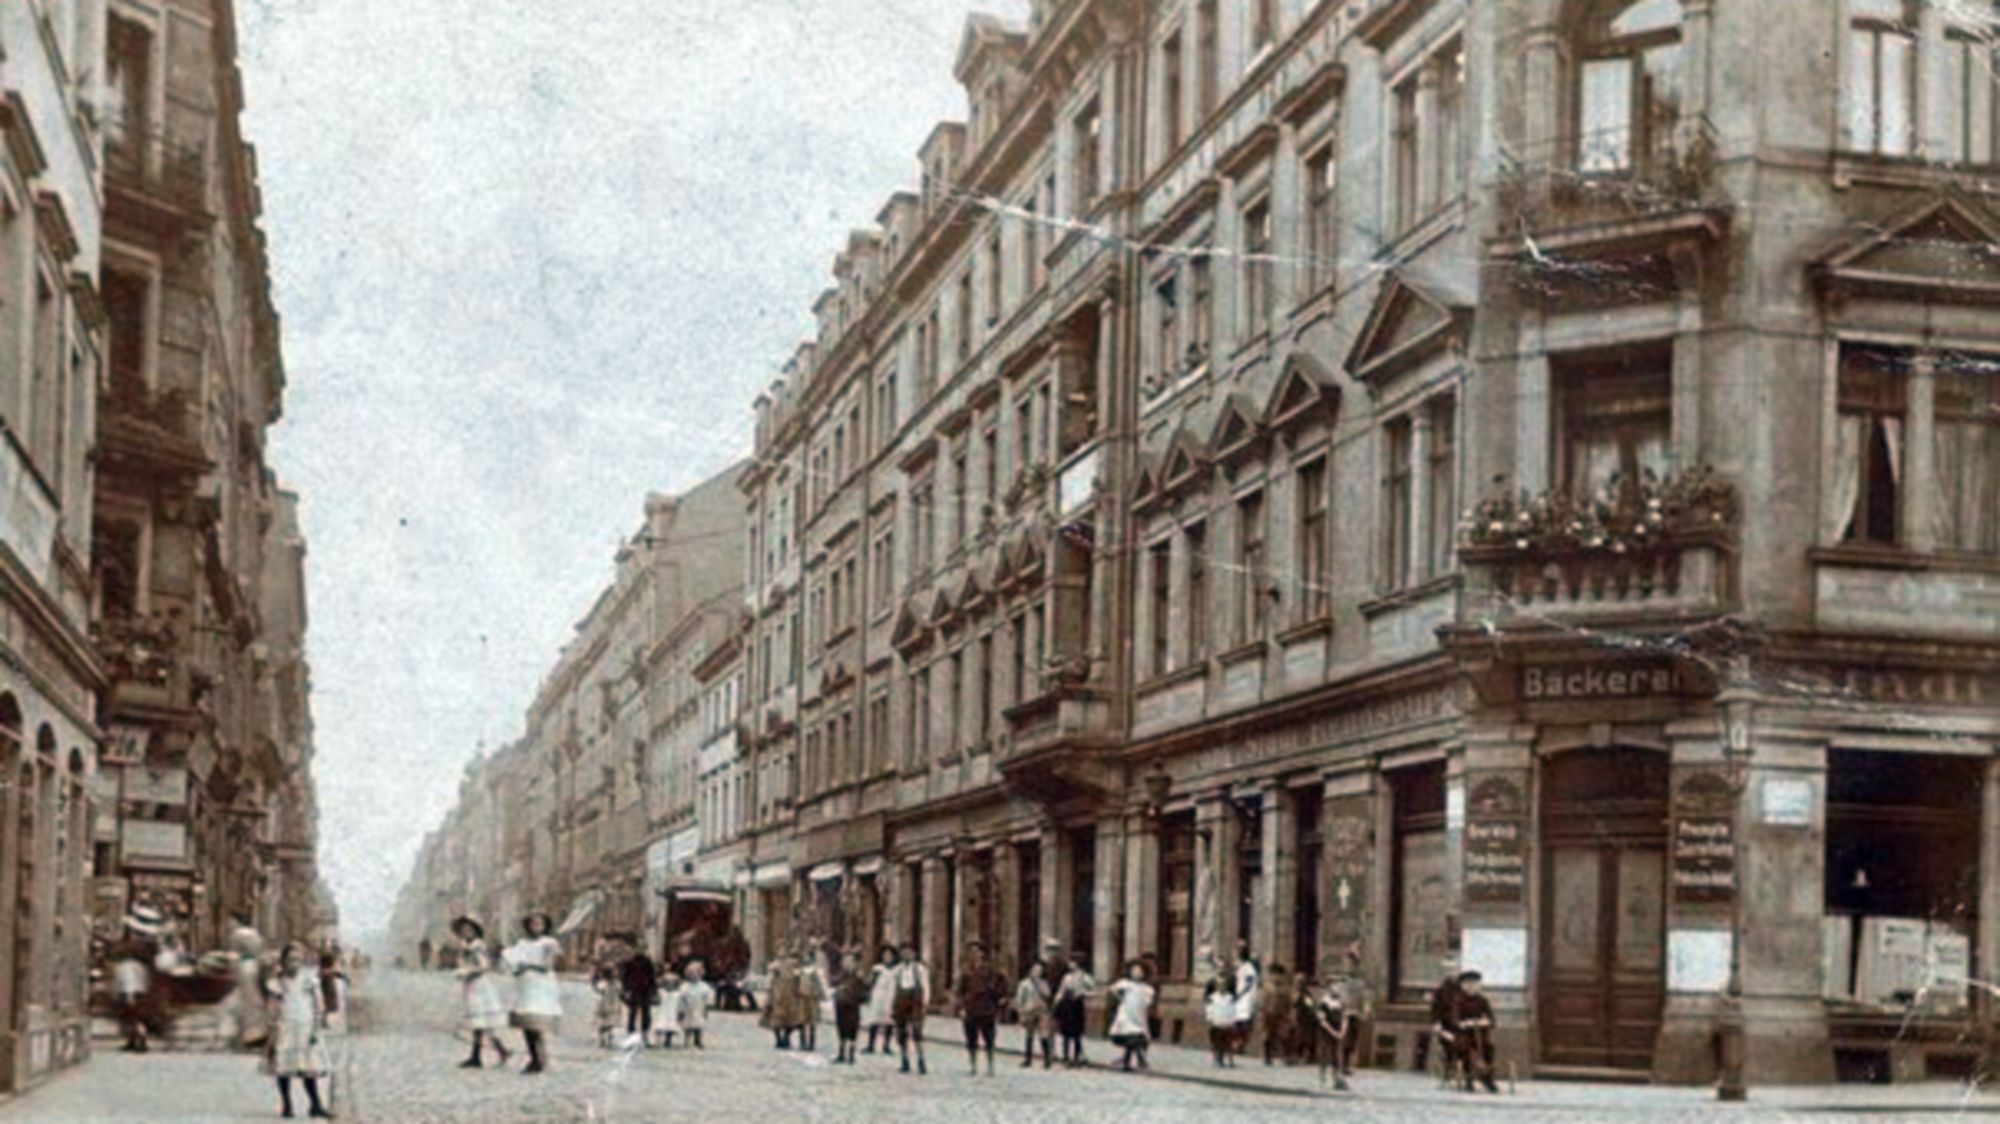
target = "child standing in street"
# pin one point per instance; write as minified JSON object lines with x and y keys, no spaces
{"x":1131,"y":997}
{"x":812,"y":998}
{"x":1218,"y":1009}
{"x":605,"y":983}
{"x":1077,"y":986}
{"x":848,"y":996}
{"x":295,"y":1048}
{"x":880,"y":1012}
{"x":913,"y":998}
{"x":1329,"y":1029}
{"x":697,"y":998}
{"x":1031,"y":1006}
{"x":667,"y":1009}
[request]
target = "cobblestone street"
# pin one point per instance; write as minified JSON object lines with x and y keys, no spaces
{"x":402,"y":1069}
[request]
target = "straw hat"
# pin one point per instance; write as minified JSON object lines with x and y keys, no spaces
{"x":478,"y":930}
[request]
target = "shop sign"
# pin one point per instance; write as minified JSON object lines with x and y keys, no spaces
{"x":1496,"y":862}
{"x":1787,"y":801}
{"x":155,"y":839}
{"x":146,"y":784}
{"x":1704,"y":841}
{"x":1914,"y":686}
{"x":1598,"y":680}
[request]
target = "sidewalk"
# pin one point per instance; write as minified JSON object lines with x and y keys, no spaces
{"x":1195,"y":1066}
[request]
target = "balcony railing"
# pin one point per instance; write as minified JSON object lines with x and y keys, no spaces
{"x":1610,"y":177}
{"x":1064,"y":716}
{"x":1660,"y":547}
{"x":158,"y":169}
{"x":138,"y":649}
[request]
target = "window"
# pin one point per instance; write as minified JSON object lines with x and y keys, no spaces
{"x":1881,"y":91}
{"x":1967,"y":398}
{"x":885,"y":409}
{"x":983,"y":694}
{"x":1038,"y":630}
{"x":1616,"y":414}
{"x":1448,"y":157}
{"x":884,"y":563}
{"x":923,"y":523}
{"x":1263,"y":24}
{"x":1419,"y":869}
{"x":989,"y":468}
{"x":1017,"y":689}
{"x":45,"y":391}
{"x":965,"y":315}
{"x":955,"y":715}
{"x":128,"y":308}
{"x":1441,"y":484}
{"x":1404,"y":155}
{"x":129,"y":89}
{"x":1196,"y":538}
{"x":1084,"y":138}
{"x":1870,"y":449}
{"x":878,"y":732}
{"x":1257,"y":267}
{"x":919,"y":718}
{"x":961,"y":481}
{"x":1024,"y":432}
{"x":1160,"y":567}
{"x":1971,"y":76}
{"x":996,"y":277}
{"x":1250,"y":567}
{"x":1172,"y":83}
{"x":1398,"y":448}
{"x":1321,"y":215}
{"x":1208,"y":75}
{"x":1201,"y":305}
{"x":1166,"y":299}
{"x":1628,"y":84}
{"x":852,"y":570}
{"x":928,"y":351}
{"x":1045,"y":414}
{"x":1314,"y":598}
{"x":1176,"y":897}
{"x":1031,"y":240}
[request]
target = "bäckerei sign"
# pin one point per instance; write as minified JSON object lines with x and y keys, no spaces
{"x":1600,"y":681}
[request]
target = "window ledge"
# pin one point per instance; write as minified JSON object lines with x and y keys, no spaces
{"x":1425,"y":231}
{"x":1242,"y":653}
{"x":1179,"y":675}
{"x":1390,"y":602}
{"x":1872,"y":168}
{"x":1885,"y":557}
{"x":1313,"y":629}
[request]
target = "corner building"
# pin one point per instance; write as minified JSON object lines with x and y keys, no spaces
{"x":1431,"y":482}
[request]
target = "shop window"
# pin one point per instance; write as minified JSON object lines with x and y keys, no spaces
{"x":1028,"y":906}
{"x":1249,"y":860}
{"x":1615,"y":415}
{"x":913,"y":877}
{"x":1902,"y":878}
{"x":1309,"y":846}
{"x":1176,"y":918}
{"x":1881,"y":81}
{"x":1628,"y":84}
{"x":1421,"y":897}
{"x":1868,"y":454}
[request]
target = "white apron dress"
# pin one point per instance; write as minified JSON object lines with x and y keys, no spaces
{"x":667,"y":1009}
{"x":484,"y":1009}
{"x":880,"y":1010}
{"x":696,"y":999}
{"x":1248,"y":985}
{"x":296,"y":1049}
{"x":538,"y":997}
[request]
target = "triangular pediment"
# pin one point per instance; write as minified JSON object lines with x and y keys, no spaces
{"x":970,"y":592}
{"x":943,"y":608}
{"x":1186,"y":458}
{"x":1948,"y":248}
{"x":1146,"y":484}
{"x":909,"y":630}
{"x":1407,"y":324}
{"x":1236,"y":429}
{"x":1305,"y":386}
{"x":1003,"y":567}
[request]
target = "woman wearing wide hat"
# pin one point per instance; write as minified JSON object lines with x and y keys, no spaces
{"x":485,"y":1014}
{"x":538,"y":999}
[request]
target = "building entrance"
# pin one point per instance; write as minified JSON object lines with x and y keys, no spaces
{"x":1604,"y":841}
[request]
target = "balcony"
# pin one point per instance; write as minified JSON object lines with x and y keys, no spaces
{"x":1659,"y":550}
{"x":156,"y":182}
{"x":149,"y":431}
{"x":1060,"y":743}
{"x":1610,"y":196}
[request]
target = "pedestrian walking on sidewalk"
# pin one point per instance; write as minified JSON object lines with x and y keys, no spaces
{"x":812,"y":998}
{"x":849,"y":995}
{"x":1131,"y":997}
{"x":538,"y":998}
{"x":697,"y":999}
{"x":1072,"y":993}
{"x":880,"y":1014}
{"x":1330,"y":1027}
{"x":1031,"y":1006}
{"x":913,"y":998}
{"x":981,"y":992}
{"x":485,"y":1015}
{"x":295,"y":1048}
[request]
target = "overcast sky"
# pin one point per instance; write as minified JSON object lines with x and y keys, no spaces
{"x":534,"y":258}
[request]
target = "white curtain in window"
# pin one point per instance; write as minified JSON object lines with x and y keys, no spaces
{"x":1606,"y":143}
{"x":1968,"y":492}
{"x":1858,"y":96}
{"x":1838,"y":518}
{"x":1898,"y":85}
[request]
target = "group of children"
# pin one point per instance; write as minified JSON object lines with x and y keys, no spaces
{"x":679,"y":1006}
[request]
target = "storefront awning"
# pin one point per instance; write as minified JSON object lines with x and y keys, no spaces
{"x":774,"y":874}
{"x":827,"y":872}
{"x":868,"y":866}
{"x":742,"y":878}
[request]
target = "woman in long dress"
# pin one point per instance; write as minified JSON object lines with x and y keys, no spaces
{"x":879,"y":1012}
{"x":485,"y":1013}
{"x":295,"y":1049}
{"x":538,"y":998}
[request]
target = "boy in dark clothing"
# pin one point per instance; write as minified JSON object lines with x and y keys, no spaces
{"x":1444,"y":1024}
{"x":1475,"y":1033}
{"x":981,"y":993}
{"x":848,"y":996}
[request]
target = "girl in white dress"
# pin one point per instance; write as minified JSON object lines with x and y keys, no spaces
{"x":538,"y":998}
{"x":667,"y":1010}
{"x":1132,"y":998}
{"x":485,"y":1013}
{"x":879,"y":1013}
{"x":295,"y":1049}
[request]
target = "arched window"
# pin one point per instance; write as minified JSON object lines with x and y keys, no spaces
{"x":1628,"y":85}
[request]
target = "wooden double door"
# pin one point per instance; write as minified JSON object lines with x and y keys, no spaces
{"x":1603,"y":947}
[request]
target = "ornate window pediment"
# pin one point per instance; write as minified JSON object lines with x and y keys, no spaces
{"x":1146,"y":485}
{"x":1306,"y":388}
{"x":1407,"y":324}
{"x":910,"y":632}
{"x":1237,"y":431}
{"x":1943,"y":250}
{"x":1184,"y":463}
